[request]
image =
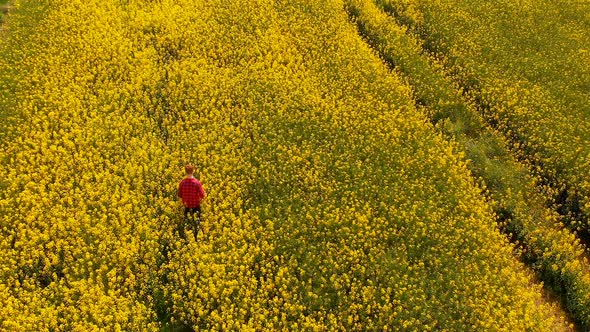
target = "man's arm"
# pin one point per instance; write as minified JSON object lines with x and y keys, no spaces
{"x":201,"y":191}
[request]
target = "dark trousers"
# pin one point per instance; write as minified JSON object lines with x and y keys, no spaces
{"x":192,"y":218}
{"x":194,"y":213}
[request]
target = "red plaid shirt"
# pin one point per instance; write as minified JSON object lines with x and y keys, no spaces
{"x":191,"y":191}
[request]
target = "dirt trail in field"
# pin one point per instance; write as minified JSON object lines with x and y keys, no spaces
{"x":551,"y":298}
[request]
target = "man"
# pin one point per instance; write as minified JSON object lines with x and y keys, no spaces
{"x":191,"y":192}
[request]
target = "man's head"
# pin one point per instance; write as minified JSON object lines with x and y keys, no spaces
{"x":189,"y":169}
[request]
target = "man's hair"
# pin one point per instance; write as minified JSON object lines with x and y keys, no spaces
{"x":189,"y":169}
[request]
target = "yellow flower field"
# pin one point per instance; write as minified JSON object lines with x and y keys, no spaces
{"x":333,"y":204}
{"x":552,"y":250}
{"x":526,"y":63}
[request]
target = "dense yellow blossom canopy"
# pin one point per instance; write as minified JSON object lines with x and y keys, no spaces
{"x":333,"y":203}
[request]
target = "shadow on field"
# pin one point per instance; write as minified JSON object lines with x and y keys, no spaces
{"x":4,"y":9}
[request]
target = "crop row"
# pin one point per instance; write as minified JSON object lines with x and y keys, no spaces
{"x":555,"y":252}
{"x":526,"y":65}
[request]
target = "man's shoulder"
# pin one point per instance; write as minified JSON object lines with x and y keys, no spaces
{"x":190,"y":180}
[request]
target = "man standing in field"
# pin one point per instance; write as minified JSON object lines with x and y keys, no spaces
{"x":191,"y":192}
